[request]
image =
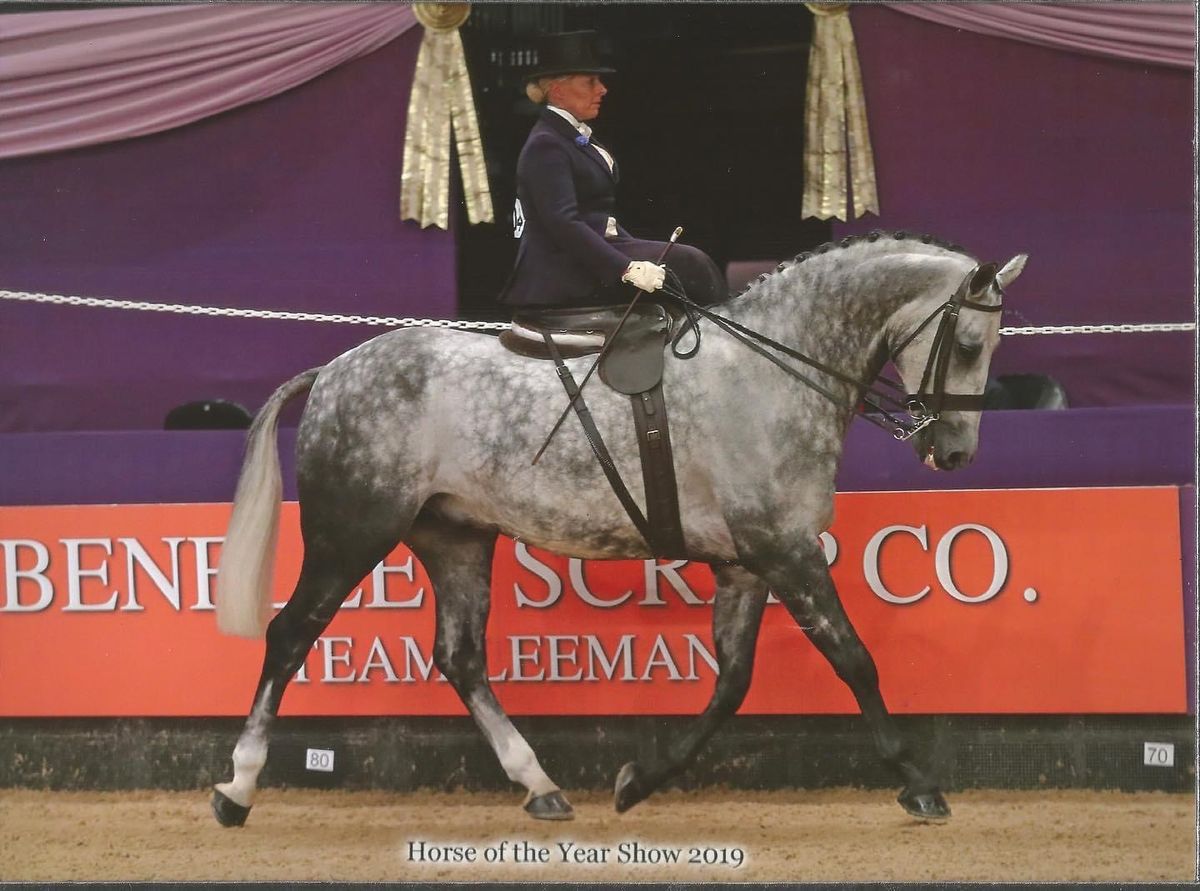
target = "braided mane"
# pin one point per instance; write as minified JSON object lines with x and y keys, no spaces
{"x":872,"y":236}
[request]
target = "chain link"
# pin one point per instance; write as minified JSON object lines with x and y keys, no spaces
{"x":395,"y":322}
{"x":1144,"y":328}
{"x":190,"y":310}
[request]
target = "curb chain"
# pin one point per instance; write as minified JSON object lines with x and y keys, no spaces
{"x":395,"y":322}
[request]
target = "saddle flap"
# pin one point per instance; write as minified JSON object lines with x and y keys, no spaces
{"x":634,"y":362}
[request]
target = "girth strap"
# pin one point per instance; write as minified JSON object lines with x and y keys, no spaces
{"x":658,"y":472}
{"x":599,"y":449}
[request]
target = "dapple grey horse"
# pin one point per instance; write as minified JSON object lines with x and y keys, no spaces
{"x":425,"y":435}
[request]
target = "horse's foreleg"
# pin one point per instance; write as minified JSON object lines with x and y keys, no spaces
{"x":808,"y":592}
{"x":458,"y":559}
{"x":737,"y":615}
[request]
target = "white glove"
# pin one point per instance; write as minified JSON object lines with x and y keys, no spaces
{"x":645,"y":275}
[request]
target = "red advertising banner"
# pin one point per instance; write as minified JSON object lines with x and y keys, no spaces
{"x":1017,"y":601}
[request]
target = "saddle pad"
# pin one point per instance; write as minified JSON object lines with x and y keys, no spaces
{"x":635,"y":360}
{"x":593,"y":340}
{"x":531,"y":349}
{"x":579,"y":319}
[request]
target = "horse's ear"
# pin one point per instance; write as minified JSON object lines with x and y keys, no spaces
{"x":984,"y":275}
{"x":1011,"y":270}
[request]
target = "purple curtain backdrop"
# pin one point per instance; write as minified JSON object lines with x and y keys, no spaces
{"x":1158,"y":33}
{"x":289,"y":203}
{"x":1082,"y":162}
{"x":82,"y":77}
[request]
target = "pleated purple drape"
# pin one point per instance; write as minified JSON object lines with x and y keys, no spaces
{"x":1155,"y":33}
{"x":83,"y":77}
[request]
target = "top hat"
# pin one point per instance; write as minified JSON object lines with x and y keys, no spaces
{"x":569,"y":52}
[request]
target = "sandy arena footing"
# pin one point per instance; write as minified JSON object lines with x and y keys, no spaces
{"x":829,"y":835}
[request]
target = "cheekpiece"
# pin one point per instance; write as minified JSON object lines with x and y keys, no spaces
{"x":568,"y":52}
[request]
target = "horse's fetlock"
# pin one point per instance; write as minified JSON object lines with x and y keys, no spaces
{"x":520,"y":762}
{"x":894,"y":751}
{"x":250,"y":756}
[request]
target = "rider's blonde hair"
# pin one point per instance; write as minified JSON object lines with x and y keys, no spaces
{"x":538,"y":90}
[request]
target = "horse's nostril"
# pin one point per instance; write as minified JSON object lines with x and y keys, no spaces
{"x":956,"y":460}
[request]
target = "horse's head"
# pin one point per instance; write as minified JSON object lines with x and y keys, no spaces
{"x":943,"y":359}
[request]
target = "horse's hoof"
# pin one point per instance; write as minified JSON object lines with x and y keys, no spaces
{"x":630,"y":788}
{"x":929,"y":807}
{"x":227,"y":811}
{"x":551,"y":806}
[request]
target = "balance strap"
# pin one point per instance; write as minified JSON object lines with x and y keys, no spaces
{"x":599,"y":449}
{"x":658,"y":472}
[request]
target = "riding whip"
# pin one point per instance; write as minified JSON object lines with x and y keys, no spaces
{"x":638,"y":292}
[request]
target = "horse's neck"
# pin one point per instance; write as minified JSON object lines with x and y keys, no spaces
{"x":835,"y":308}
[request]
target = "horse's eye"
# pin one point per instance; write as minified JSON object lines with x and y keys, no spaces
{"x":969,"y":352}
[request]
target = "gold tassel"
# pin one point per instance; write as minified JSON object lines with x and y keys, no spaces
{"x":441,"y":101}
{"x":837,"y":140}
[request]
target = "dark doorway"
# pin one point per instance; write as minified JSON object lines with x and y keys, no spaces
{"x":705,"y":116}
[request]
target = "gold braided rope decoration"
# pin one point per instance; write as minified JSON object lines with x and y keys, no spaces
{"x":837,"y":142}
{"x":441,"y":101}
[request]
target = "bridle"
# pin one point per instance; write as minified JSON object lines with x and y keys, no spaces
{"x":923,"y":407}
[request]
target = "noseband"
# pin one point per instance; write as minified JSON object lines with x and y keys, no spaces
{"x":923,"y":407}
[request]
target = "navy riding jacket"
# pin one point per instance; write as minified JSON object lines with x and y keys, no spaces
{"x":567,"y":194}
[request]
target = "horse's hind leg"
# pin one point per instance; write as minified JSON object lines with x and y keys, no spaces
{"x":333,"y":564}
{"x":458,"y":559}
{"x":808,"y":592}
{"x":737,"y":615}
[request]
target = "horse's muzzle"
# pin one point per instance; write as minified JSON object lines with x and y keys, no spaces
{"x":941,"y":455}
{"x":953,"y":460}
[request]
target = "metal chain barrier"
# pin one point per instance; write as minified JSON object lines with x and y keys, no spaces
{"x":395,"y":322}
{"x":190,"y":310}
{"x":1144,"y":328}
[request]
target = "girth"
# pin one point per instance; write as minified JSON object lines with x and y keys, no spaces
{"x":633,"y":365}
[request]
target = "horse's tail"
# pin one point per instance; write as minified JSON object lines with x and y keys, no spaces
{"x":248,"y":555}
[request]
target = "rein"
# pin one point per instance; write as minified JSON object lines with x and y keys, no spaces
{"x":923,"y":407}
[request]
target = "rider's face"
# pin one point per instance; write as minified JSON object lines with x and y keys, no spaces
{"x":580,"y":94}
